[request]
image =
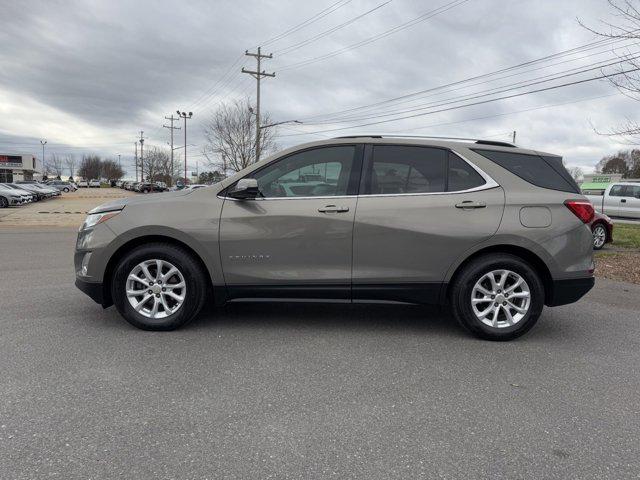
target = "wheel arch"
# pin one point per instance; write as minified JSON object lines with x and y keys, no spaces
{"x":521,"y":252}
{"x":133,"y":243}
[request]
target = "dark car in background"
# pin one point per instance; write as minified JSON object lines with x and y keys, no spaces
{"x":602,"y":230}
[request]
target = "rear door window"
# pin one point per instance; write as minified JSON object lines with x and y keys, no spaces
{"x":461,"y":175}
{"x":534,"y":169}
{"x":398,"y":169}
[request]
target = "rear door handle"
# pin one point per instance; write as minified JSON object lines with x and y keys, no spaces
{"x":333,"y":209}
{"x":469,"y":204}
{"x":623,"y":200}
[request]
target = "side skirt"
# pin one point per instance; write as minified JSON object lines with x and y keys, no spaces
{"x":430,"y":293}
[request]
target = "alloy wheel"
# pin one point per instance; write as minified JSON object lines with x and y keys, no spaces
{"x":500,"y":298}
{"x":599,"y":236}
{"x":155,"y":288}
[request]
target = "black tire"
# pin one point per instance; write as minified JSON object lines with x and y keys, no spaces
{"x":601,"y":228}
{"x":194,"y":276}
{"x":461,"y":294}
{"x":65,"y":190}
{"x":4,"y":203}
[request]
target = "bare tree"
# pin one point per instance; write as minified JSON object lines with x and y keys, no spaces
{"x":576,"y":173}
{"x":157,"y":165}
{"x":56,"y":164}
{"x":230,"y":137}
{"x":626,"y":75}
{"x":90,"y":167}
{"x":111,"y":170}
{"x":70,"y":162}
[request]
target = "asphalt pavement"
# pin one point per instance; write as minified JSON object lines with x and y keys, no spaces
{"x":306,"y":391}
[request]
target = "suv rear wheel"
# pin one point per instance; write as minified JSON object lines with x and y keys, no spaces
{"x":158,"y":287}
{"x":497,"y":297}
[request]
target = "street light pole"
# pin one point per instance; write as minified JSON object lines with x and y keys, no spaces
{"x":44,"y":168}
{"x":185,"y":116}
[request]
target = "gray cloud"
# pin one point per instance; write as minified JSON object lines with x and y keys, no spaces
{"x":89,"y":75}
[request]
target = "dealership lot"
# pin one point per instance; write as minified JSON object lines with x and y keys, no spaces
{"x":301,"y":391}
{"x":68,"y":210}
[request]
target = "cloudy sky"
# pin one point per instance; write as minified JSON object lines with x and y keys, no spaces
{"x":88,"y":75}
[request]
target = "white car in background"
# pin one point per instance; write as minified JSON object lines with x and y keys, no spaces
{"x":94,"y":183}
{"x":83,"y":184}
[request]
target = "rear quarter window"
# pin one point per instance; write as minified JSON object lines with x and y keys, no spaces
{"x":534,"y":169}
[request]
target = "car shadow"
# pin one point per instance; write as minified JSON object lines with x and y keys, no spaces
{"x":328,"y":316}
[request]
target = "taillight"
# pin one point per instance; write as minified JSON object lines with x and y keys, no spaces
{"x":581,"y":209}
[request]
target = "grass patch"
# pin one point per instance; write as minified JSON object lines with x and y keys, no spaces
{"x":626,"y":236}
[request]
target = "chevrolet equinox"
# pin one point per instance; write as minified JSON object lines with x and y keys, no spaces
{"x":492,"y":231}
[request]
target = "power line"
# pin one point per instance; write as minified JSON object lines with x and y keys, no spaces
{"x":323,"y":13}
{"x":482,"y":102}
{"x":318,"y":36}
{"x":585,"y":47}
{"x":483,"y":93}
{"x":421,"y":18}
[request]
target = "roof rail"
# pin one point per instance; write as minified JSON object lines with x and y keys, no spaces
{"x":459,"y":139}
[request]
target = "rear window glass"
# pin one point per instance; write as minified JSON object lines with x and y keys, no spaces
{"x":461,"y":175}
{"x":542,"y":172}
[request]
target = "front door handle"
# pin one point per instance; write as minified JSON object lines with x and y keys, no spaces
{"x":469,"y":204}
{"x":333,"y":209}
{"x":623,"y":200}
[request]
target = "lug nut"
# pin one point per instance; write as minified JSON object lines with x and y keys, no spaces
{"x":495,"y":304}
{"x":150,"y":291}
{"x":157,"y":295}
{"x":504,"y":303}
{"x":163,"y":289}
{"x":150,"y":284}
{"x":492,"y":297}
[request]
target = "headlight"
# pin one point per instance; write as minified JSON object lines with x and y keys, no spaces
{"x":95,"y":218}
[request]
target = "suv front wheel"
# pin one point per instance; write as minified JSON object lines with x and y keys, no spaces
{"x":497,"y":297}
{"x":158,"y":287}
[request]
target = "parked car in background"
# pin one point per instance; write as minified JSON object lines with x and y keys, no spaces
{"x":491,"y":230}
{"x":619,"y":200}
{"x":62,"y":185}
{"x":94,"y":183}
{"x":38,"y":187}
{"x":30,"y":196}
{"x":148,"y":187}
{"x":602,"y":230}
{"x":9,"y":197}
{"x":83,"y":184}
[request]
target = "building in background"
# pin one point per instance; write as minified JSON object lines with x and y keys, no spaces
{"x":15,"y":167}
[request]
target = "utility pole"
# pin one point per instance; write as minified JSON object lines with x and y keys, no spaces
{"x":136,"y":160}
{"x":171,"y":129}
{"x":514,"y":138}
{"x":258,"y":74}
{"x":185,"y":116}
{"x":44,"y":165}
{"x":119,"y":163}
{"x":141,"y":156}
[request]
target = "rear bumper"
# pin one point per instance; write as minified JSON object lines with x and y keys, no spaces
{"x":569,"y":291}
{"x":92,"y":289}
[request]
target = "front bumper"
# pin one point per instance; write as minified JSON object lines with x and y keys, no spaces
{"x":92,"y":289}
{"x":568,"y":291}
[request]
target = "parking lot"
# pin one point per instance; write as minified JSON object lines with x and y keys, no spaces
{"x":67,"y":210}
{"x":295,"y":391}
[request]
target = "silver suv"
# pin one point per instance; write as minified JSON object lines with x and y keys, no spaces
{"x":492,"y":231}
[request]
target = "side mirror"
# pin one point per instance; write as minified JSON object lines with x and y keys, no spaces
{"x":245,"y":189}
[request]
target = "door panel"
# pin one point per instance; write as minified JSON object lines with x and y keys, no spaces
{"x":612,"y":201}
{"x":415,"y":238}
{"x":629,"y":203}
{"x":287,"y":241}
